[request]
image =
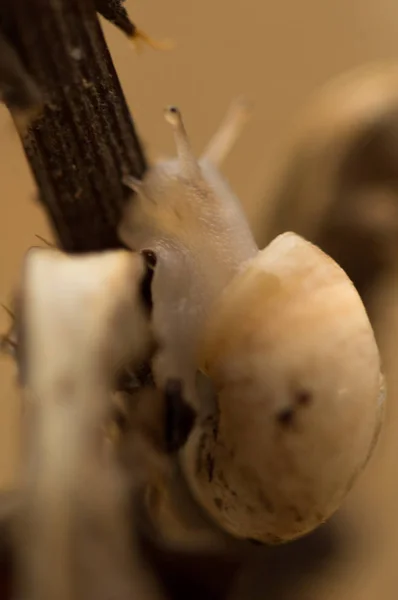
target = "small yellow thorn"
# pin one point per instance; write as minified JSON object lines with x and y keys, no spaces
{"x":140,"y":37}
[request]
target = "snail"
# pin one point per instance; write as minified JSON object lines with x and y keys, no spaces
{"x":338,"y":182}
{"x":273,"y":346}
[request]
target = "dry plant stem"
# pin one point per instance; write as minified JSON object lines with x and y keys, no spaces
{"x":73,"y":541}
{"x":85,"y":141}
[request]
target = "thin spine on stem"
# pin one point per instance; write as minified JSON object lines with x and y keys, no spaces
{"x":114,"y":12}
{"x":139,"y":38}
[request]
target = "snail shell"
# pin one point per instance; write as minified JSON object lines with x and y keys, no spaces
{"x":299,"y":403}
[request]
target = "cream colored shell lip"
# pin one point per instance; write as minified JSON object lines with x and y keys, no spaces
{"x":281,"y":333}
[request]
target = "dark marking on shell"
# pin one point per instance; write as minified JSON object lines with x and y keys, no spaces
{"x":222,"y":480}
{"x":219,"y":503}
{"x":226,"y":486}
{"x":210,"y":466}
{"x":296,"y":514}
{"x":274,"y":539}
{"x":200,"y":454}
{"x":211,"y":422}
{"x":255,"y":542}
{"x":303,"y":397}
{"x":285,"y":417}
{"x":265,"y":502}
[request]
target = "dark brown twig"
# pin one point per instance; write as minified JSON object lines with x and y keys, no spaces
{"x":85,"y":140}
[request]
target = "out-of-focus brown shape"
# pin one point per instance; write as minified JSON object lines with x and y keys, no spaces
{"x":339,"y":184}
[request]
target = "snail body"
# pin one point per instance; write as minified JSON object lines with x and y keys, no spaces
{"x":187,"y":215}
{"x":293,"y":395}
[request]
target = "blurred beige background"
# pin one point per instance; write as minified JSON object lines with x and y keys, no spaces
{"x":276,"y":54}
